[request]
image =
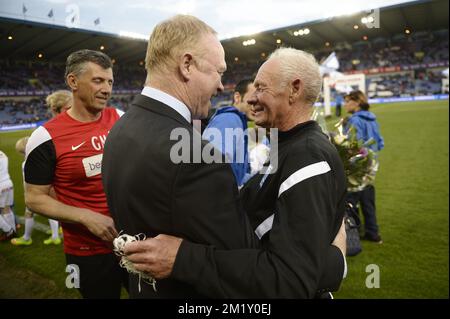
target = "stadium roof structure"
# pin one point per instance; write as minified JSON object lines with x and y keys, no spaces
{"x":415,"y":16}
{"x":54,"y":43}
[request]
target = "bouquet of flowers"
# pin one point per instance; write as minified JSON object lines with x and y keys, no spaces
{"x":360,"y":162}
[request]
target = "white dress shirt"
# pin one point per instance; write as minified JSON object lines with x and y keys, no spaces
{"x":169,"y":100}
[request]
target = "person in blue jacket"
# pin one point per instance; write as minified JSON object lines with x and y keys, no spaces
{"x":233,"y":119}
{"x":366,"y":128}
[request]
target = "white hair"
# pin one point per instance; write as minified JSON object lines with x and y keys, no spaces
{"x":300,"y":64}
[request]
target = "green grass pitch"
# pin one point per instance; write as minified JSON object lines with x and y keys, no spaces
{"x":412,"y":208}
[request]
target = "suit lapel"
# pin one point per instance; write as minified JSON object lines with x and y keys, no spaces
{"x":156,"y":106}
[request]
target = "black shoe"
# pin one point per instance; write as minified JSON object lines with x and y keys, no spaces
{"x":373,"y":238}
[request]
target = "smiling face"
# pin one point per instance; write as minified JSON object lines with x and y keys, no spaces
{"x":94,"y":87}
{"x":270,"y":101}
{"x":206,"y":79}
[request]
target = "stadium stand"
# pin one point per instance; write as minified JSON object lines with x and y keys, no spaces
{"x":396,"y":63}
{"x":395,"y":67}
{"x":19,"y":78}
{"x":399,"y":51}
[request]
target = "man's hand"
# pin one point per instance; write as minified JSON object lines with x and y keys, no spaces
{"x":42,"y":199}
{"x":340,"y":241}
{"x":155,"y":256}
{"x":100,"y":225}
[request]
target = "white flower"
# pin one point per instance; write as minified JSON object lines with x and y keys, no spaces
{"x":339,"y":139}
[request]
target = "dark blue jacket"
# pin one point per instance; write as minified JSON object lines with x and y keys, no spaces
{"x":235,"y":147}
{"x":366,"y":126}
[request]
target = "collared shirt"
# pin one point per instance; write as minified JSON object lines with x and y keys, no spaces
{"x":169,"y":100}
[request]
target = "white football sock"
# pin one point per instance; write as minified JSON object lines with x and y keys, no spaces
{"x":9,"y":217}
{"x":4,"y":225}
{"x":54,"y":225}
{"x":29,"y":224}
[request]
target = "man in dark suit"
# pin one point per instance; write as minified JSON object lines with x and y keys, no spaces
{"x":154,"y":189}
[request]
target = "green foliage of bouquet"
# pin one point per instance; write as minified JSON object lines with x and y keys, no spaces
{"x":360,"y":162}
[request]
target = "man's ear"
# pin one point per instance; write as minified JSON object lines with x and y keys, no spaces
{"x":296,"y":90}
{"x":237,"y":98}
{"x":185,"y":65}
{"x":72,"y":81}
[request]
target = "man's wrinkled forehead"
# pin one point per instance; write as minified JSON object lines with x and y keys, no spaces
{"x":268,"y":73}
{"x":261,"y":77}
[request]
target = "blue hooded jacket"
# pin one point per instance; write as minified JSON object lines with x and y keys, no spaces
{"x":235,"y":149}
{"x":366,"y":127}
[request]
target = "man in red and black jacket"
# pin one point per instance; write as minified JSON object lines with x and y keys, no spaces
{"x":66,"y":154}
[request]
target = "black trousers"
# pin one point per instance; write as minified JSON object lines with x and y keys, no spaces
{"x":366,"y":198}
{"x":100,"y":276}
{"x":338,"y":109}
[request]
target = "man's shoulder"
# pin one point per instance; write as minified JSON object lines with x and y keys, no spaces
{"x":147,"y":128}
{"x":227,"y":109}
{"x":111,"y":114}
{"x":310,"y":139}
{"x":143,"y":102}
{"x":57,"y":126}
{"x":38,"y":137}
{"x":150,"y":120}
{"x":357,"y":118}
{"x":352,"y":118}
{"x":230,"y":111}
{"x":228,"y":118}
{"x":313,"y":145}
{"x":58,"y":120}
{"x":110,"y":110}
{"x":147,"y":108}
{"x":229,"y":115}
{"x":40,"y":140}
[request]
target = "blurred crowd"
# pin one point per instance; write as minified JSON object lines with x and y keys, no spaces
{"x":418,"y":61}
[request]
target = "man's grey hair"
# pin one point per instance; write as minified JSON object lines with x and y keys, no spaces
{"x":299,"y":64}
{"x":76,"y":61}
